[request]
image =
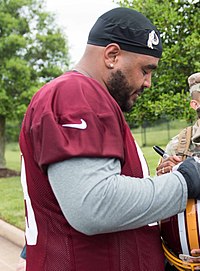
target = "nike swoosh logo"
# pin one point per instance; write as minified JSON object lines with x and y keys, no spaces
{"x":82,"y":125}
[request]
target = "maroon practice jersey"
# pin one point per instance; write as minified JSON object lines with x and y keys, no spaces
{"x":74,"y":116}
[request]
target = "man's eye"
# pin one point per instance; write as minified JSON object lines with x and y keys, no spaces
{"x":144,"y":72}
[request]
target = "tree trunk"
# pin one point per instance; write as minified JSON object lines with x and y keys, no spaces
{"x":2,"y":141}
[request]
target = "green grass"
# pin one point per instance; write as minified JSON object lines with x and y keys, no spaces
{"x":13,"y":156}
{"x":157,"y":135}
{"x":12,"y":203}
{"x":11,"y":195}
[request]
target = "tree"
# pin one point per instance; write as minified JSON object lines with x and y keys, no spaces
{"x":178,"y":22}
{"x":33,"y":51}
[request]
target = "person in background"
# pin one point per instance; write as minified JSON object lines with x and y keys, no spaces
{"x":90,"y":202}
{"x":187,"y":142}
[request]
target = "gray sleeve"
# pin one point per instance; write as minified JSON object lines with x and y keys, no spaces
{"x":96,"y":199}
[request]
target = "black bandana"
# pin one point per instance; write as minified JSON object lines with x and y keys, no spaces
{"x":131,"y":30}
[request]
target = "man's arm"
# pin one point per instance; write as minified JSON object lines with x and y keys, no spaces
{"x":95,"y":198}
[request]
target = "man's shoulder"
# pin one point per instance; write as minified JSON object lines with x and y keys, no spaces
{"x":181,"y":142}
{"x":172,"y":144}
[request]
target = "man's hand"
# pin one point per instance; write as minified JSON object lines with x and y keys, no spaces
{"x":166,"y":165}
{"x":190,"y":169}
{"x":195,"y":252}
{"x":194,"y":259}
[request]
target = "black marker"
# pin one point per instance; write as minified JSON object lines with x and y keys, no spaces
{"x":160,"y":151}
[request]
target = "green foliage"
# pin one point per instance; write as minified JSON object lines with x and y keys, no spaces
{"x":179,"y":25}
{"x":167,"y":106}
{"x":12,"y":131}
{"x":13,"y":156}
{"x":33,"y":51}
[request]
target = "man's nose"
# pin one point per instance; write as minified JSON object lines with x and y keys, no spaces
{"x":147,"y":81}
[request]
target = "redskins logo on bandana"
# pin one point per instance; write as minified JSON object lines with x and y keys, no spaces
{"x":153,"y":39}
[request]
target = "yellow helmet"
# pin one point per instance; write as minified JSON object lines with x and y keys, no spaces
{"x":180,"y":234}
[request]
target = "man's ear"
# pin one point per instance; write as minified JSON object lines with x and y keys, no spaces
{"x":194,"y":104}
{"x":111,"y":54}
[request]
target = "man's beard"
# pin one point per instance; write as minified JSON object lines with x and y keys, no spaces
{"x":120,"y":90}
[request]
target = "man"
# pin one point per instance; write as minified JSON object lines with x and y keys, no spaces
{"x":88,"y":195}
{"x":191,"y":134}
{"x":187,"y":144}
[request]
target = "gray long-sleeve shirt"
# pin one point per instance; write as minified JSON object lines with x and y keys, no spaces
{"x":95,"y":198}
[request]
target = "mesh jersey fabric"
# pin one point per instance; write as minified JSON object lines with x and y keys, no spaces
{"x":44,"y":140}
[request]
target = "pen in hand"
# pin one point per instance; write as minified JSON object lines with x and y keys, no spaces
{"x":160,"y":151}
